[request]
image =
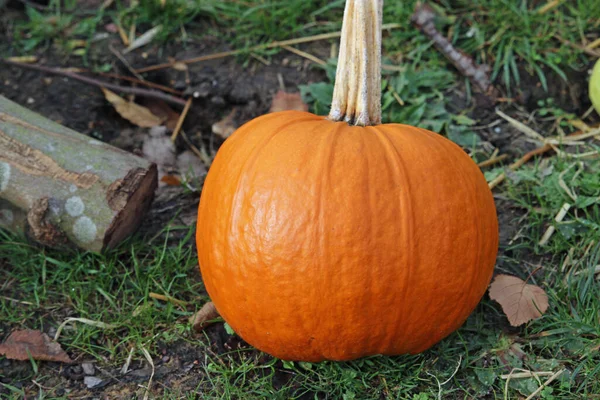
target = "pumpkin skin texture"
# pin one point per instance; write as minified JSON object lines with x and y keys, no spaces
{"x":323,"y":241}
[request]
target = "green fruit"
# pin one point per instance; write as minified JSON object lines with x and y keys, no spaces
{"x":595,"y":87}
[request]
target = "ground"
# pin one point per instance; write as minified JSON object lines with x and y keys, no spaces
{"x":539,"y":65}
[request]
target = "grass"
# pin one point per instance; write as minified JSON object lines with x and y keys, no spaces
{"x":41,"y":288}
{"x":502,"y":33}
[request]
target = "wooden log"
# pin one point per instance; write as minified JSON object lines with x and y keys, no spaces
{"x":65,"y":189}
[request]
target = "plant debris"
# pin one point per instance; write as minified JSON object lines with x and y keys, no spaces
{"x":23,"y":344}
{"x":423,"y":18}
{"x":283,"y":101}
{"x":204,"y":317}
{"x":521,"y":302}
{"x":134,"y":113}
{"x":225,"y":127}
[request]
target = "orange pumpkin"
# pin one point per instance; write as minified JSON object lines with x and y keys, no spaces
{"x":321,"y":240}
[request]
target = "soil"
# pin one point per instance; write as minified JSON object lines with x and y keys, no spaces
{"x":218,"y":86}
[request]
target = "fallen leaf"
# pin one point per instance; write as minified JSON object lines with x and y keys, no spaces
{"x":204,"y":317}
{"x":521,"y":302}
{"x":21,"y":344}
{"x":163,"y":111}
{"x":131,"y":111}
{"x":144,"y":39}
{"x":171,"y":180}
{"x":226,"y":126}
{"x":283,"y":101}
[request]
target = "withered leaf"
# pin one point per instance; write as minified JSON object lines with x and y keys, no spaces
{"x":163,"y":111}
{"x":521,"y":302}
{"x":21,"y":344}
{"x":226,"y":126}
{"x":283,"y":101}
{"x":204,"y":317}
{"x":131,"y":111}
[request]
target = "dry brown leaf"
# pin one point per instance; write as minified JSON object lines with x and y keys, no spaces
{"x":283,"y":101}
{"x":132,"y":112}
{"x":21,"y":344}
{"x":521,"y":302}
{"x":204,"y":317}
{"x":163,"y":111}
{"x":226,"y":126}
{"x":171,"y":180}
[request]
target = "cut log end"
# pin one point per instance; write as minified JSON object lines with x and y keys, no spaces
{"x":131,"y":197}
{"x":63,"y":189}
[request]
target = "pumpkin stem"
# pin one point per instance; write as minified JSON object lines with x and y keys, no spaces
{"x":357,"y":91}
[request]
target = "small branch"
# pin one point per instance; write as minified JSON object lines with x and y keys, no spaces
{"x":271,"y":45}
{"x":423,"y":18}
{"x":577,"y":46}
{"x":91,"y":81}
{"x":181,"y":119}
{"x":492,"y":161}
{"x":543,"y":385}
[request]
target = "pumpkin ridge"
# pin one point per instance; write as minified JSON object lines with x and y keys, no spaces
{"x":406,"y":207}
{"x":330,"y":274}
{"x":453,"y":154}
{"x":236,"y":204}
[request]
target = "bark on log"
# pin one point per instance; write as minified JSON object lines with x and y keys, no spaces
{"x":64,"y":189}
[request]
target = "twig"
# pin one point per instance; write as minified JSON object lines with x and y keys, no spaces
{"x":543,"y":385}
{"x":522,"y":127}
{"x":304,"y":54}
{"x":166,"y":298}
{"x":423,"y":18}
{"x":270,"y":45}
{"x":585,"y":49}
{"x":551,"y":229}
{"x":135,"y":80}
{"x":492,"y":161}
{"x":27,"y":303}
{"x":528,"y":156}
{"x":95,"y":82}
{"x":202,"y":155}
{"x":181,"y":119}
{"x":527,"y":374}
{"x":125,"y":62}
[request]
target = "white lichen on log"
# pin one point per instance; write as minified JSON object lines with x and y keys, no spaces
{"x":62,"y":188}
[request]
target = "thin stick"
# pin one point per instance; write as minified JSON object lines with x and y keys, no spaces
{"x":169,"y":299}
{"x":543,"y":385}
{"x":528,"y":156}
{"x":125,"y":62}
{"x":551,"y":229}
{"x":528,"y":374}
{"x":423,"y":18}
{"x":304,"y":54}
{"x":492,"y":161}
{"x":585,"y":49}
{"x":181,"y":119}
{"x":271,"y":45}
{"x":130,"y":90}
{"x":135,"y":80}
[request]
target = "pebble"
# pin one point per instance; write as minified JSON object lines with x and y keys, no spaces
{"x":92,"y":381}
{"x":88,"y":368}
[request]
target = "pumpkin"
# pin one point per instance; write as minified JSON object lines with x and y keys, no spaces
{"x":333,"y":238}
